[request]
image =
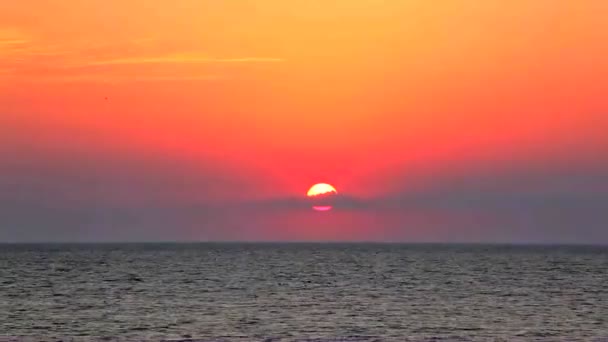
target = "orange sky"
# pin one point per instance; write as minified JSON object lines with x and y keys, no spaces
{"x":295,"y":92}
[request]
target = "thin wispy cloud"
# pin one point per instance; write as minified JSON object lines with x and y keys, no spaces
{"x":116,"y":79}
{"x":27,"y":59}
{"x":183,"y":58}
{"x":12,"y":41}
{"x":4,"y":42}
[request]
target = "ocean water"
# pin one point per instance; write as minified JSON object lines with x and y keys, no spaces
{"x":303,"y":292}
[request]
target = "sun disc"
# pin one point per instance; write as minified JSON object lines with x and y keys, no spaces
{"x":321,"y":189}
{"x":321,"y":196}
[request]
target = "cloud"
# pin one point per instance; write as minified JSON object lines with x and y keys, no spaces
{"x":12,"y":41}
{"x":529,"y":203}
{"x":182,"y":58}
{"x":28,"y":59}
{"x":7,"y":42}
{"x":146,"y":201}
{"x":89,"y":193}
{"x":117,"y":79}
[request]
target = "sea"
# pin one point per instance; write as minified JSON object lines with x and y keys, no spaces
{"x":320,"y":292}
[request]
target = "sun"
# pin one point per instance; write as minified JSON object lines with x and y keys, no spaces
{"x":321,"y":189}
{"x":321,"y":195}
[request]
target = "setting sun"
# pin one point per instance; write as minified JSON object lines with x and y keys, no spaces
{"x":322,"y":194}
{"x":321,"y":189}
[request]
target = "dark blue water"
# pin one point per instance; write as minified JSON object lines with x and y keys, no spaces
{"x":295,"y":292}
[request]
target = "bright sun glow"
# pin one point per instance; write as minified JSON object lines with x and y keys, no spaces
{"x":320,"y":189}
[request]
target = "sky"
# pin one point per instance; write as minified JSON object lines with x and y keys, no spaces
{"x":204,"y":120}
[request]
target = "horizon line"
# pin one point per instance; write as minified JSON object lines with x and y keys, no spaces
{"x":303,"y":242}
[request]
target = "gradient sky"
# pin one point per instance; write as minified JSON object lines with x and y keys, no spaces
{"x":455,"y":121}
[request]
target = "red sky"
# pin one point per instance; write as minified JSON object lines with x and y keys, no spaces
{"x":151,"y":108}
